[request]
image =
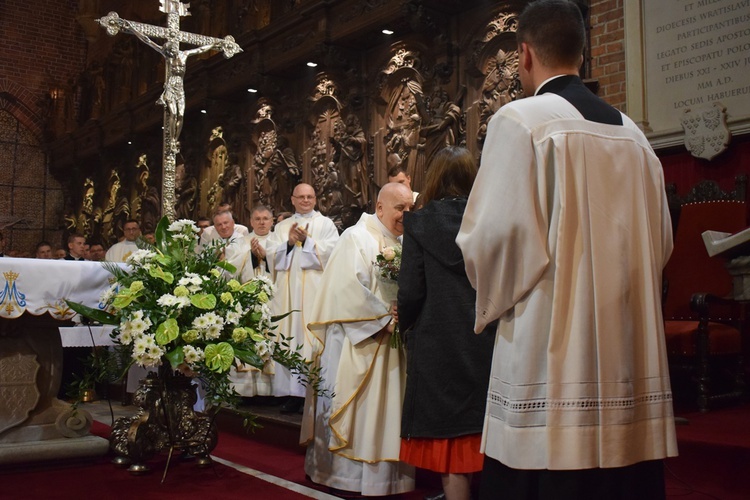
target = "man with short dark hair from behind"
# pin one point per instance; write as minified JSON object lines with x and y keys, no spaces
{"x":564,"y":237}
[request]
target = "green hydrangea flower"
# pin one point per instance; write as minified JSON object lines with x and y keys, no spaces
{"x":190,"y":336}
{"x":239,"y":334}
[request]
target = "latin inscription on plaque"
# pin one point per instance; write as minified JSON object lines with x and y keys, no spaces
{"x":697,"y":53}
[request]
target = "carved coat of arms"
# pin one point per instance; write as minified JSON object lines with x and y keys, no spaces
{"x":706,"y":131}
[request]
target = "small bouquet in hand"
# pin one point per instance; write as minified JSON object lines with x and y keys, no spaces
{"x":388,"y":265}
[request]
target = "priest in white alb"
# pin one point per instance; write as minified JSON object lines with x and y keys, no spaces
{"x":354,"y":438}
{"x":237,"y":249}
{"x":120,"y":251}
{"x":248,"y":380}
{"x":299,"y":249}
{"x":261,"y":220}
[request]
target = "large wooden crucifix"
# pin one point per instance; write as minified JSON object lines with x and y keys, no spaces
{"x":173,"y":97}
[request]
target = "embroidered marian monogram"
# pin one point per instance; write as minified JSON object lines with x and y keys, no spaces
{"x":12,"y":301}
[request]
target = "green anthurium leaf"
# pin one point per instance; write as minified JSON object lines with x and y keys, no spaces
{"x":123,"y":298}
{"x":102,"y":317}
{"x":158,"y":272}
{"x":249,"y":357}
{"x":226,"y":266}
{"x":219,"y":357}
{"x":176,"y":357}
{"x":162,"y":235}
{"x":203,"y":300}
{"x":249,"y":287}
{"x":167,"y":331}
{"x":164,"y":260}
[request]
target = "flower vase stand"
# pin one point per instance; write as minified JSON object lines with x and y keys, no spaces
{"x":165,"y":420}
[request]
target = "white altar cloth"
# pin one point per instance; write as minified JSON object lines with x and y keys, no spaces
{"x":80,"y":336}
{"x":34,"y":424}
{"x":39,"y":286}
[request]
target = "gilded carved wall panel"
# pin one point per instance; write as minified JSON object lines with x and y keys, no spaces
{"x":375,"y":103}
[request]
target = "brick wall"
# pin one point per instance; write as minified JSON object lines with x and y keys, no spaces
{"x":42,"y":48}
{"x":608,"y":50}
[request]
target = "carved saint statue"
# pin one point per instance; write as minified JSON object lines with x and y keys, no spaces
{"x":186,"y":191}
{"x":350,"y":146}
{"x":501,"y":85}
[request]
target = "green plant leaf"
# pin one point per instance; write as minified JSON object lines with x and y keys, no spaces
{"x":203,"y":300}
{"x":102,"y":317}
{"x":256,"y":336}
{"x":226,"y":266}
{"x":175,"y":357}
{"x":249,"y":357}
{"x":275,"y":319}
{"x":164,"y":260}
{"x":219,"y":356}
{"x":167,"y":331}
{"x":162,"y":235}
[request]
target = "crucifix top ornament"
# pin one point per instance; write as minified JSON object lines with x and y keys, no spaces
{"x":173,"y":97}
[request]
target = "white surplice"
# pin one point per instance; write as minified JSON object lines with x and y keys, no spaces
{"x":298,"y":274}
{"x":354,"y":438}
{"x":564,"y":237}
{"x":236,"y":251}
{"x":247,"y":380}
{"x":119,"y":252}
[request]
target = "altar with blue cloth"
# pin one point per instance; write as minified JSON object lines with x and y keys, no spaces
{"x":34,"y":424}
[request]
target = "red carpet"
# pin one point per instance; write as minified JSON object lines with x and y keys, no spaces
{"x":714,"y":456}
{"x":713,"y":464}
{"x":101,"y":480}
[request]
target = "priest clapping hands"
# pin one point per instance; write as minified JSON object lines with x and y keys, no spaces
{"x":297,"y":234}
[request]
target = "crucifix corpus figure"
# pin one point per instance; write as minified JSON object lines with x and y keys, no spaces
{"x":173,"y":97}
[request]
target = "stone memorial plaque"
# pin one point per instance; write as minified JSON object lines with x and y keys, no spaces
{"x":697,"y":58}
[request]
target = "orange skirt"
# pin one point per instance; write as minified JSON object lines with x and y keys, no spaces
{"x":458,"y":455}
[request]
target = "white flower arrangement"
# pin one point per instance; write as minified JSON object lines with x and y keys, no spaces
{"x":175,"y":308}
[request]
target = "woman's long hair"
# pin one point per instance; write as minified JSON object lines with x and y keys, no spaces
{"x":451,"y":174}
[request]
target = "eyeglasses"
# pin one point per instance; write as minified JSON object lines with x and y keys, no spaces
{"x":305,"y":197}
